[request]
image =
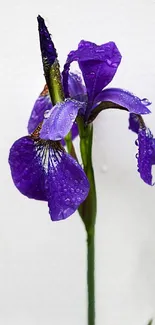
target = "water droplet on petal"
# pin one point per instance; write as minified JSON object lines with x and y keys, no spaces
{"x":114,"y":65}
{"x":67,"y":201}
{"x":150,"y":152}
{"x":145,"y":102}
{"x":47,"y":113}
{"x":137,"y":142}
{"x":137,"y":155}
{"x":109,"y":62}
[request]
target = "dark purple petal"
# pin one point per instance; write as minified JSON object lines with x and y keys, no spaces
{"x":26,"y":169}
{"x":75,"y":87}
{"x":153,"y":154}
{"x":98,"y":64}
{"x":74,"y":133}
{"x":134,"y":123}
{"x":48,"y":50}
{"x":67,"y":186}
{"x":42,"y":104}
{"x":42,"y":170}
{"x":60,"y":121}
{"x":145,"y":155}
{"x":125,"y":99}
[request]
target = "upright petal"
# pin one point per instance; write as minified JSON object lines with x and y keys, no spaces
{"x":60,"y":120}
{"x":42,"y":104}
{"x":125,"y":99}
{"x":145,"y":155}
{"x":76,"y":88}
{"x":98,"y":64}
{"x":26,"y":169}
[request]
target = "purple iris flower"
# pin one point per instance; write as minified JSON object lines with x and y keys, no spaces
{"x":40,"y":167}
{"x":146,"y":147}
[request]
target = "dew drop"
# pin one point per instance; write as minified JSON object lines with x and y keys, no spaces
{"x":47,"y":113}
{"x":67,"y":201}
{"x":150,"y":152}
{"x":111,"y":64}
{"x":137,"y":142}
{"x":145,"y":102}
{"x":114,"y":65}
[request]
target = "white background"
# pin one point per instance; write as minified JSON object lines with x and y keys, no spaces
{"x":43,"y":264}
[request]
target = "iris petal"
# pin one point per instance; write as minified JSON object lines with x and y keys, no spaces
{"x":134,"y":123}
{"x":67,"y":187}
{"x":60,"y":120}
{"x":48,"y":50}
{"x":74,"y":133}
{"x":42,"y":170}
{"x":124,"y":98}
{"x":146,"y":155}
{"x":76,"y":88}
{"x":26,"y":169}
{"x":42,"y":104}
{"x":97,"y":63}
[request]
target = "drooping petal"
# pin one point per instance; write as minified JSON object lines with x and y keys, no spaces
{"x":44,"y":171}
{"x":67,"y":186}
{"x":42,"y":104}
{"x":98,"y":64}
{"x":125,"y":99}
{"x":145,"y":155}
{"x":60,"y":120}
{"x":26,"y":169}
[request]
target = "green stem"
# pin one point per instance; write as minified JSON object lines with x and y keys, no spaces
{"x":87,"y":211}
{"x":91,"y":277}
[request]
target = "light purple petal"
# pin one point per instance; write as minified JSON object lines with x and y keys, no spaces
{"x":42,"y":104}
{"x":76,"y":88}
{"x":145,"y":155}
{"x":60,"y":120}
{"x":98,"y":64}
{"x":125,"y":99}
{"x":26,"y":169}
{"x":42,"y":170}
{"x":74,"y":133}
